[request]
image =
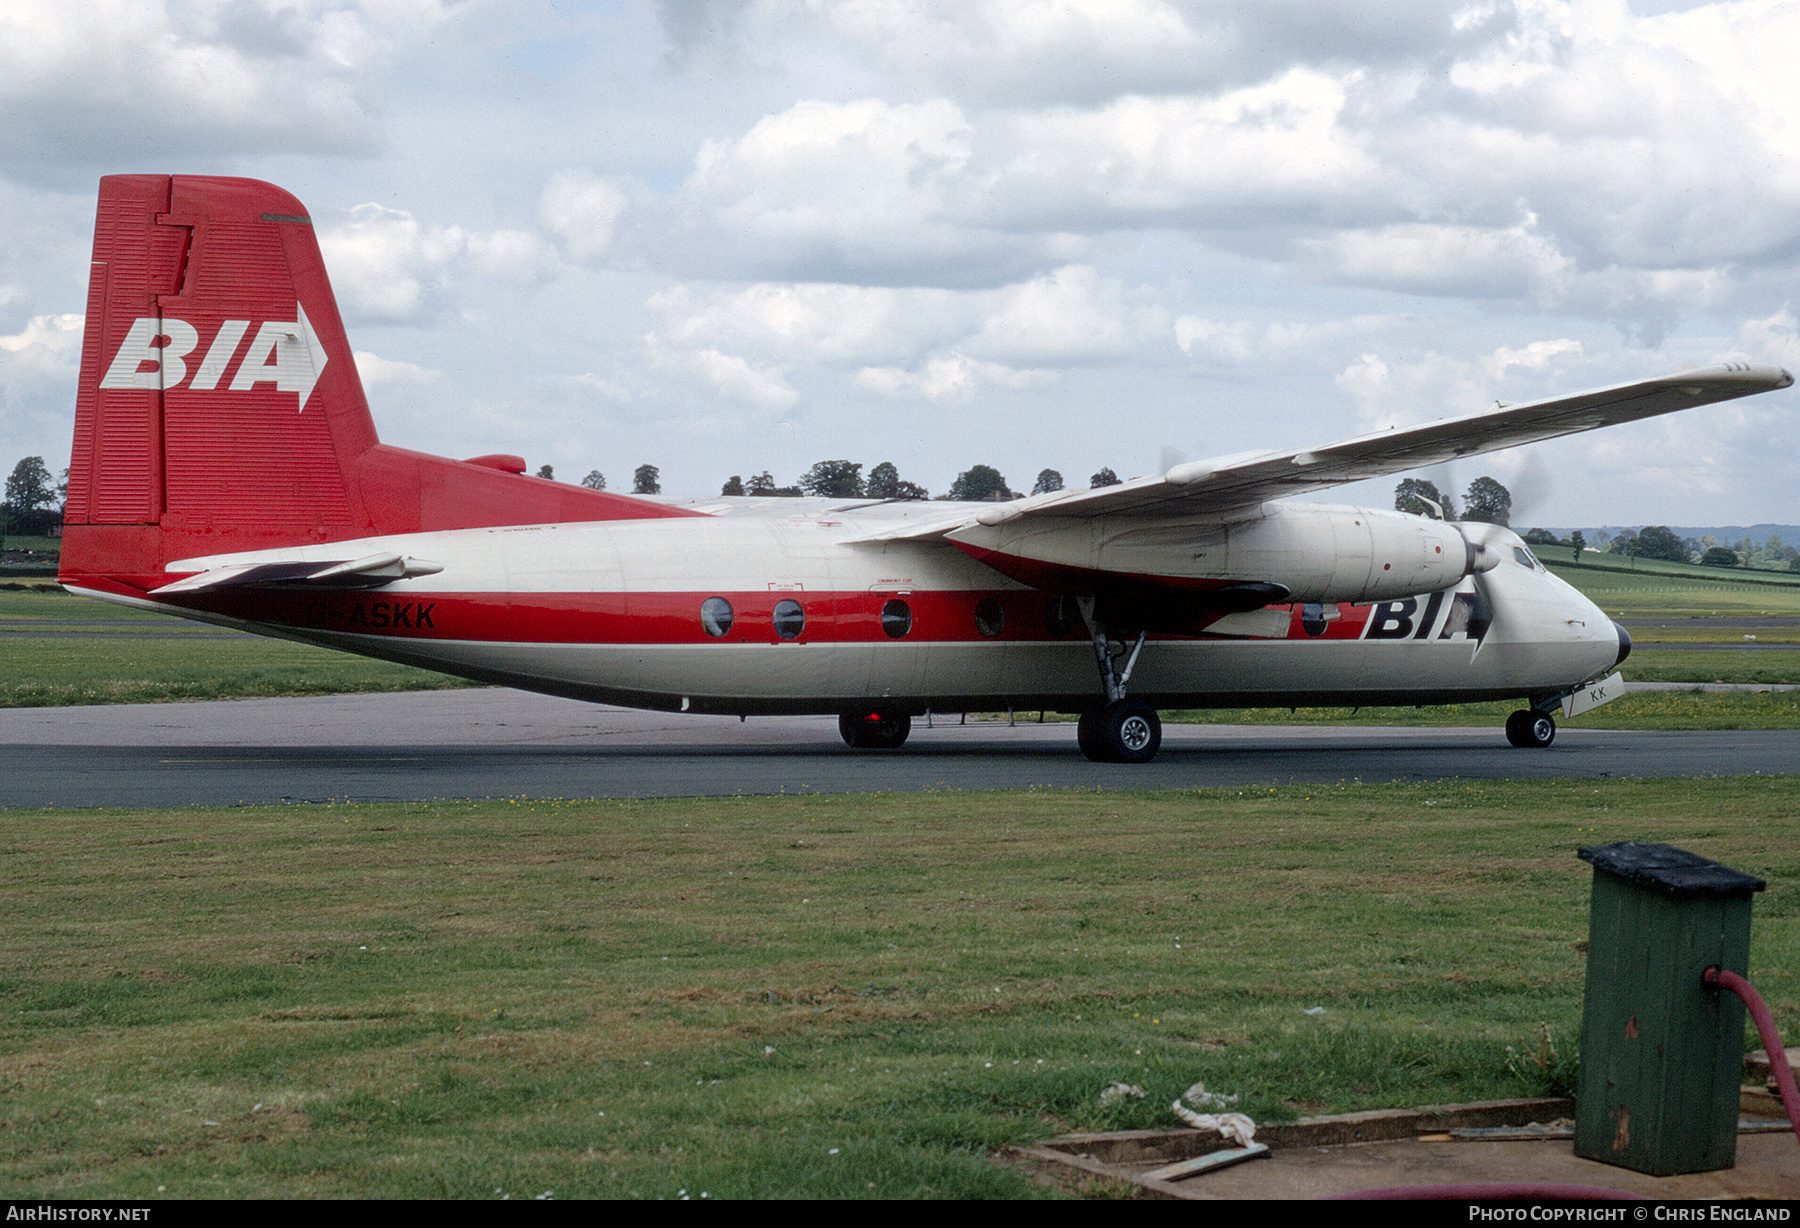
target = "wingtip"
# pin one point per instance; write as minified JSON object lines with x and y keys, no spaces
{"x":1770,"y":377}
{"x":1735,"y":378}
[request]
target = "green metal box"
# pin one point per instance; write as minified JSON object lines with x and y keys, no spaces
{"x":1662,"y":1053}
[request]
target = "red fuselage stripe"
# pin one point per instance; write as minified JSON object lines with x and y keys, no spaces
{"x":667,"y":617}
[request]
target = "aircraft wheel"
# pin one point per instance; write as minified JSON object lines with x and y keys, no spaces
{"x":1124,"y":732}
{"x":874,"y":730}
{"x":1530,"y":728}
{"x":1087,"y":736}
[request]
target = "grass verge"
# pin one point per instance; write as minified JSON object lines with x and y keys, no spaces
{"x":64,"y":650}
{"x":144,"y":670}
{"x":832,"y":997}
{"x":1649,"y":710}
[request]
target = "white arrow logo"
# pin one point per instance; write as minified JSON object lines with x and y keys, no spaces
{"x":287,"y":354}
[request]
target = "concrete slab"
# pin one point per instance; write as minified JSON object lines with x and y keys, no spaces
{"x":1431,"y":1147}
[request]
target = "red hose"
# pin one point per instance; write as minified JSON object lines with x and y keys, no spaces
{"x":1784,"y":1079}
{"x":1771,"y":1039}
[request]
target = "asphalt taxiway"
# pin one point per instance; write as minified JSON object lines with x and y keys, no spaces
{"x":432,"y":745}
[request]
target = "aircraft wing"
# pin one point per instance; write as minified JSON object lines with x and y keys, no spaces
{"x":1224,"y":485}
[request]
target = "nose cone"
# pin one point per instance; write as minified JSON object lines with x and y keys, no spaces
{"x":1624,"y":644}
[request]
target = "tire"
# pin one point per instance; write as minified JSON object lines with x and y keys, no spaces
{"x":874,"y":730}
{"x":1087,"y":736}
{"x":1124,"y":732}
{"x":1530,"y":729}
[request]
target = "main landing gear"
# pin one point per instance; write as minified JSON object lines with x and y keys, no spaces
{"x":1126,"y":731}
{"x":1530,"y":727}
{"x":874,"y":730}
{"x":1122,"y":730}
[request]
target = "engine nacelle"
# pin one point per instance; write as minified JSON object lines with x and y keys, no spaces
{"x":1317,"y":552}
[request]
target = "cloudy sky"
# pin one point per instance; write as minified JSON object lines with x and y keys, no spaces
{"x":729,"y":236}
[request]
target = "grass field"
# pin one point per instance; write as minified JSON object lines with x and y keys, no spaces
{"x":827,"y":996}
{"x":72,"y":650}
{"x":833,"y":997}
{"x":1670,"y":590}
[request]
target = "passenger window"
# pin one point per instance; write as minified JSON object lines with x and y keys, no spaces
{"x":896,"y":619}
{"x":790,"y":619}
{"x":990,"y":618}
{"x":715,"y":616}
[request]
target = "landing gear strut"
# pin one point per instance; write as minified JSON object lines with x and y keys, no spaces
{"x":1123,"y":730}
{"x":1530,"y":727}
{"x":874,"y":730}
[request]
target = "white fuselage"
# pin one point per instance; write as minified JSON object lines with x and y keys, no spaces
{"x":615,"y":611}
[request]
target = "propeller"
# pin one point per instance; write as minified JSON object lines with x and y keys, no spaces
{"x":1531,"y":487}
{"x":1481,"y":544}
{"x":1483,"y":547}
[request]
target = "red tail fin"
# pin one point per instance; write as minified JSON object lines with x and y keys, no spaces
{"x":220,"y":410}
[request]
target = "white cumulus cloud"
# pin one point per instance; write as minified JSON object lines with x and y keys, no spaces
{"x":91,"y":82}
{"x":582,"y":209}
{"x":949,"y":377}
{"x":386,"y":264}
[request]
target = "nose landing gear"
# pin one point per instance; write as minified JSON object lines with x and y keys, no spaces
{"x":1529,"y":727}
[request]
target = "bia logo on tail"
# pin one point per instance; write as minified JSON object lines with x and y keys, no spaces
{"x":286,"y":354}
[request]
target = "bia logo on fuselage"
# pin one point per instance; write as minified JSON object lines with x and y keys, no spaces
{"x":1444,"y":615}
{"x":1464,"y":616}
{"x":287,"y":354}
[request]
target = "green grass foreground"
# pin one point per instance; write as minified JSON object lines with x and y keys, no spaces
{"x":822,"y":996}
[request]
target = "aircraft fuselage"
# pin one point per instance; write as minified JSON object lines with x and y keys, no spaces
{"x":813,"y":622}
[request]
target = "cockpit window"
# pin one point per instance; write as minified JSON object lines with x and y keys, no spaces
{"x":790,"y":619}
{"x":715,"y":616}
{"x":1525,"y":557}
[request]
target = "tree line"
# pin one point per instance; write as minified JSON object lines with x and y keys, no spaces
{"x":34,"y":500}
{"x":1659,"y":541}
{"x":1488,"y":501}
{"x":843,"y":479}
{"x":33,"y":506}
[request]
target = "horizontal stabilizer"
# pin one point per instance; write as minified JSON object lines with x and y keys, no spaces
{"x":371,"y":571}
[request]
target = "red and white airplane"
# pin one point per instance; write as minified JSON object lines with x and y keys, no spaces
{"x":225,"y":468}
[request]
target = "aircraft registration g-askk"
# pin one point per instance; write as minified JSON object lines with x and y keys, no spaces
{"x":225,"y":468}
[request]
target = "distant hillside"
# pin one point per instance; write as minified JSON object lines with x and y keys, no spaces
{"x":1597,"y":561}
{"x":1758,"y":533}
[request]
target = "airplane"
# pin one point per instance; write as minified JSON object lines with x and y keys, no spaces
{"x":225,"y":468}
